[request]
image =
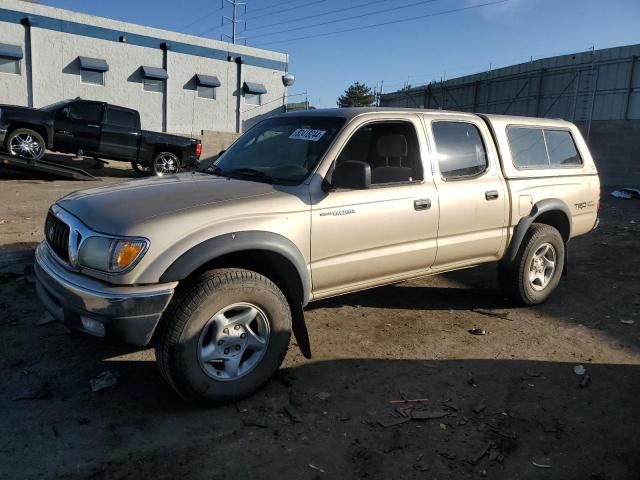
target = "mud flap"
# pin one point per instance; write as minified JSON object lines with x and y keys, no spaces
{"x":565,"y":268}
{"x":300,"y":332}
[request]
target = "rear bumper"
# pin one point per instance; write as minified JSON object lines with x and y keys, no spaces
{"x":126,"y":314}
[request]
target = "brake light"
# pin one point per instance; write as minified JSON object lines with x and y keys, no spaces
{"x":198,"y":150}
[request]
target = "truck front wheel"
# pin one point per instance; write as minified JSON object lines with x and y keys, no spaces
{"x":537,"y":268}
{"x":26,"y":143}
{"x":224,"y":336}
{"x":141,"y":168}
{"x":165,"y":163}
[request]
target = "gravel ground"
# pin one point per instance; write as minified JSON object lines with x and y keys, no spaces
{"x":506,"y":405}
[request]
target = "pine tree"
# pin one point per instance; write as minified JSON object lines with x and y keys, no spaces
{"x":357,"y":95}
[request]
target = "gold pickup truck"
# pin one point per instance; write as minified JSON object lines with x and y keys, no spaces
{"x":215,"y":268}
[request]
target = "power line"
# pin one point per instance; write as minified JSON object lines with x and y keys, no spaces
{"x":365,"y":27}
{"x":279,"y":4}
{"x":198,"y":20}
{"x":313,"y":2}
{"x":345,"y":19}
{"x":307,"y":17}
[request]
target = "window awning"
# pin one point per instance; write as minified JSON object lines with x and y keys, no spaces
{"x":207,"y":80}
{"x":251,"y":87}
{"x":155,"y":73}
{"x":10,"y":51}
{"x":94,"y":64}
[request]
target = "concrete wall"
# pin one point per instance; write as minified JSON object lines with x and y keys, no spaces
{"x":603,"y":85}
{"x":58,"y":37}
{"x":615,"y":146}
{"x":13,"y":86}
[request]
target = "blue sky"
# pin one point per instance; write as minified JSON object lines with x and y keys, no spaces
{"x":416,"y":51}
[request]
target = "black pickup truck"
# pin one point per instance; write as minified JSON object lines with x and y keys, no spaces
{"x":95,"y":129}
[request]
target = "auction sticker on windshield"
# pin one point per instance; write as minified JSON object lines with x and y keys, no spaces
{"x":307,"y":134}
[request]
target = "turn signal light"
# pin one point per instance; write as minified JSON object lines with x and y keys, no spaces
{"x":126,"y":253}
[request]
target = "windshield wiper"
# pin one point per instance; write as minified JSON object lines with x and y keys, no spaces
{"x":251,"y":173}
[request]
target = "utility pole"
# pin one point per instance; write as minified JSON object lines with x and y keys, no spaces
{"x":234,"y":20}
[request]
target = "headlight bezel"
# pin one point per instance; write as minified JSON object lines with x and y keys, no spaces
{"x":111,"y":249}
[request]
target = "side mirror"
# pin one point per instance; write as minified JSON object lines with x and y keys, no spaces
{"x":352,"y":175}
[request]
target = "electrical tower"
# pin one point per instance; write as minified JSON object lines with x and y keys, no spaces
{"x":234,"y":20}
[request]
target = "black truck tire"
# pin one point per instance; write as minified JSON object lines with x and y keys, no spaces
{"x":141,"y":168}
{"x":224,"y":336}
{"x":165,"y":163}
{"x":25,"y":143}
{"x":535,"y":273}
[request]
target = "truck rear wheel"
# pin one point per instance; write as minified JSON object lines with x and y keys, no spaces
{"x":165,"y":163}
{"x":26,"y":143}
{"x":224,"y":336}
{"x":537,"y":268}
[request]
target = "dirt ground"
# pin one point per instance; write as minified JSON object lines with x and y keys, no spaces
{"x":506,"y":405}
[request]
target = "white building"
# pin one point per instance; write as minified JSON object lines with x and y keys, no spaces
{"x":179,"y":83}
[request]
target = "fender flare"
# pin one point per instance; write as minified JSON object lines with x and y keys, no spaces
{"x":543,"y":206}
{"x":216,"y":247}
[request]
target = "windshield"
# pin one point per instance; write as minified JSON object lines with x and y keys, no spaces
{"x":55,"y":106}
{"x":282,"y":150}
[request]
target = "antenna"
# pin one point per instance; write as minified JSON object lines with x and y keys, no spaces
{"x":234,"y":21}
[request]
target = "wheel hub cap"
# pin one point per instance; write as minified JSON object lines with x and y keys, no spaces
{"x":233,"y":341}
{"x":25,"y":145}
{"x":543,"y":266}
{"x":167,"y":164}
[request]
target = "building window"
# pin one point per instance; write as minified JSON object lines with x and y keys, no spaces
{"x":253,"y":93}
{"x":92,"y":77}
{"x":206,"y":92}
{"x":153,"y":85}
{"x":10,"y":65}
{"x":253,"y":98}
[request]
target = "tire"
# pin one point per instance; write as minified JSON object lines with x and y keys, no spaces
{"x":25,"y":143}
{"x":528,"y":281}
{"x":197,"y":355}
{"x":165,"y":163}
{"x":141,"y":168}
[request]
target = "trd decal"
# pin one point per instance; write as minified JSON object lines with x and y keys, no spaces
{"x":583,"y":205}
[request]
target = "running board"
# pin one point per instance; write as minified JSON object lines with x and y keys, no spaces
{"x":46,"y":167}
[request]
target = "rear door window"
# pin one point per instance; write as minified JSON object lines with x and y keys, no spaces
{"x":121,"y":118}
{"x":461,"y":151}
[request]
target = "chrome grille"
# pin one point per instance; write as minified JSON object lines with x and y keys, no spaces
{"x":57,"y":234}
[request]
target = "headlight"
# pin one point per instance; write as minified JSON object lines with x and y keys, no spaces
{"x":111,"y":255}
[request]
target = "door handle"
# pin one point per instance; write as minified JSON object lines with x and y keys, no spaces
{"x":491,"y":195}
{"x":93,"y":126}
{"x":422,"y":204}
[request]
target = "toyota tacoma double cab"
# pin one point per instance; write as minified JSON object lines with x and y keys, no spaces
{"x":95,"y":129}
{"x":306,"y":206}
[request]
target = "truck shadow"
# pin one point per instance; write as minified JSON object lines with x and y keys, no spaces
{"x":336,"y":415}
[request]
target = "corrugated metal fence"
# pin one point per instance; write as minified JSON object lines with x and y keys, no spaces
{"x":582,"y":87}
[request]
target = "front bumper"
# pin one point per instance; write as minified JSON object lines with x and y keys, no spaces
{"x":127,"y":314}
